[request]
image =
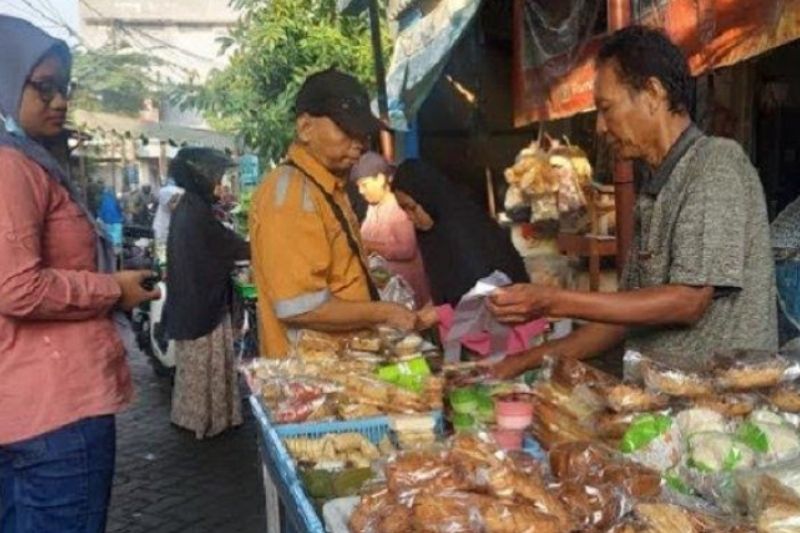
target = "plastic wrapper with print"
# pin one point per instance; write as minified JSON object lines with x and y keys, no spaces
{"x":653,"y":440}
{"x":772,"y":496}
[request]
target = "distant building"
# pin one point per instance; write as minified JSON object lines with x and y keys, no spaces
{"x":184,"y":34}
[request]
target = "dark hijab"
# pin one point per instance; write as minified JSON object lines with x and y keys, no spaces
{"x":24,"y":46}
{"x":464,"y":244}
{"x":201,"y":252}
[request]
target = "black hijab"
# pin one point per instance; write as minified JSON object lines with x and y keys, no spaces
{"x":201,"y":252}
{"x":464,"y":244}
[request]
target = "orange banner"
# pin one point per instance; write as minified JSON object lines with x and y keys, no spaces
{"x":713,"y":33}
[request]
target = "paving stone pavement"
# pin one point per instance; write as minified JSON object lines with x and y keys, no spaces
{"x":168,"y":482}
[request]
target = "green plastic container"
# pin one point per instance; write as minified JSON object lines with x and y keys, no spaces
{"x":463,"y":422}
{"x":464,"y":401}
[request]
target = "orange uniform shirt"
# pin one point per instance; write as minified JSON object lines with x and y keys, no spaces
{"x":300,"y":254}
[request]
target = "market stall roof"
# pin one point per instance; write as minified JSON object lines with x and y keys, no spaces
{"x":422,"y":47}
{"x":555,"y":45}
{"x":94,"y":121}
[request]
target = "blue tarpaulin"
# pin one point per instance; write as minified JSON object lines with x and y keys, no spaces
{"x":421,"y":51}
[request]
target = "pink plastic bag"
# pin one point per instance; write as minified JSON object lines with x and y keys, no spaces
{"x":519,"y":338}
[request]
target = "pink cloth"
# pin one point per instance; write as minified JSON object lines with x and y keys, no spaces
{"x":389,"y":232}
{"x":61,"y":358}
{"x":518,"y":341}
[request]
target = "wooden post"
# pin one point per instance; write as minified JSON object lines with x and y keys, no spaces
{"x":490,"y":194}
{"x":619,"y":16}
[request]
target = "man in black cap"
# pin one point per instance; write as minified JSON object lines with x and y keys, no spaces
{"x":308,"y":261}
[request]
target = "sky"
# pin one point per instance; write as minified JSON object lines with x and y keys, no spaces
{"x":50,"y":15}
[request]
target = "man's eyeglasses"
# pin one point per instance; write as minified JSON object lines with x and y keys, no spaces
{"x":48,"y":89}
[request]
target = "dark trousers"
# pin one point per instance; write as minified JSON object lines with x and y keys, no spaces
{"x":59,"y":482}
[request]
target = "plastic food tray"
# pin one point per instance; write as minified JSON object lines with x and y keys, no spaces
{"x":299,"y":511}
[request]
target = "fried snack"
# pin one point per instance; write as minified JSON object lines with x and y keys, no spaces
{"x":369,"y":510}
{"x":552,"y":426}
{"x":786,"y":398}
{"x":669,"y":518}
{"x":665,"y":518}
{"x":569,"y":373}
{"x":593,"y":507}
{"x":625,"y":398}
{"x":748,"y":370}
{"x":418,"y":470}
{"x":730,"y":405}
{"x":610,"y":425}
{"x":371,"y":344}
{"x":394,"y":519}
{"x":313,"y":345}
{"x":354,"y":411}
{"x":454,"y":512}
{"x":501,"y":517}
{"x":367,"y":390}
{"x":635,"y":479}
{"x":578,"y":460}
{"x":674,"y":382}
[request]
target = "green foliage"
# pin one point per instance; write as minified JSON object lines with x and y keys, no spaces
{"x":113,"y":79}
{"x":276,"y":44}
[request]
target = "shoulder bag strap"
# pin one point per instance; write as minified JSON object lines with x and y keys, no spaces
{"x":342,"y":218}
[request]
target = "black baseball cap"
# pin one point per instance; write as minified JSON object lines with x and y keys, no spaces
{"x":340,"y":97}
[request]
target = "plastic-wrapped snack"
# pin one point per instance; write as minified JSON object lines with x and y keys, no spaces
{"x":612,"y":426}
{"x":578,"y":460}
{"x":594,"y":507}
{"x":627,"y":398}
{"x":453,"y":512}
{"x":568,"y":373}
{"x":654,"y":441}
{"x":745,"y":370}
{"x":675,"y":382}
{"x":786,"y":397}
{"x":368,"y":512}
{"x":552,"y":425}
{"x":502,"y":517}
{"x":295,"y":411}
{"x":700,"y":420}
{"x":770,"y":436}
{"x":365,"y":343}
{"x":668,"y":518}
{"x":411,"y":472}
{"x":730,"y":405}
{"x":776,"y":508}
{"x":716,"y":452}
{"x":505,"y":482}
{"x":314,"y":345}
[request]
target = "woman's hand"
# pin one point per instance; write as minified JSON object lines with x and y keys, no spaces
{"x":133,"y":293}
{"x":427,"y":317}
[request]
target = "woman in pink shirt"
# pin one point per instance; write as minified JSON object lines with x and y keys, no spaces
{"x":387,"y":230}
{"x":63,"y":373}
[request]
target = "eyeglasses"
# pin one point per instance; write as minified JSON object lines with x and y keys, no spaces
{"x":48,"y":89}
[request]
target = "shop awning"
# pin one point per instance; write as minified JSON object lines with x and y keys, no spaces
{"x":421,"y":49}
{"x":555,"y":46}
{"x":108,"y":123}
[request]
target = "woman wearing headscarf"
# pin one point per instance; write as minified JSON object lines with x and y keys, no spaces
{"x":201,"y":255}
{"x":386,"y":230}
{"x":63,"y":373}
{"x":459,"y":242}
{"x":460,"y":245}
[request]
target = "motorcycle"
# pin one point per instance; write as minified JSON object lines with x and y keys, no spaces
{"x":138,"y":253}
